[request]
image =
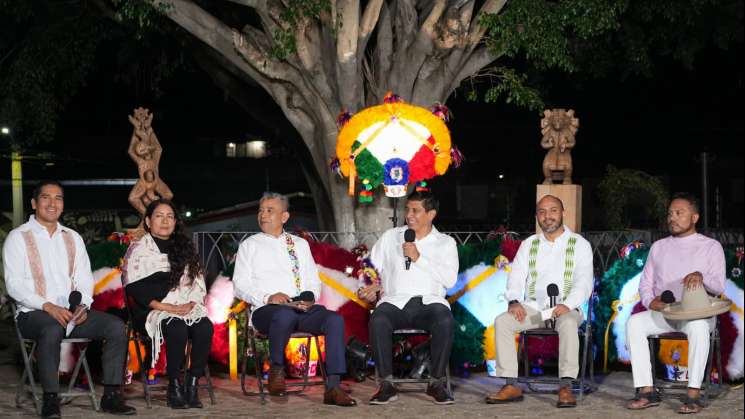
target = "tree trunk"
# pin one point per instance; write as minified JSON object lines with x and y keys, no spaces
{"x":422,"y":51}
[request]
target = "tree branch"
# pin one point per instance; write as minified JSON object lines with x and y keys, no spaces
{"x":348,"y":80}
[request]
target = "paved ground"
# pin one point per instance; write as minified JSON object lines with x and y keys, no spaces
{"x":607,"y":402}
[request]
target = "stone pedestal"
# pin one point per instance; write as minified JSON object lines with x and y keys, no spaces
{"x":571,"y":196}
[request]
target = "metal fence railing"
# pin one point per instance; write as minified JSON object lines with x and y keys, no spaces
{"x":217,"y":248}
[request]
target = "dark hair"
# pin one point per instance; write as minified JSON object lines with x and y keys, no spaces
{"x":686,"y":196}
{"x":42,"y":184}
{"x":428,"y":200}
{"x":182,"y":254}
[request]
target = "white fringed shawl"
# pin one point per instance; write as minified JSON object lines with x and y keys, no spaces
{"x":144,"y":259}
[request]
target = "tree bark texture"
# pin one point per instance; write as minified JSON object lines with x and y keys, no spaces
{"x":348,"y":59}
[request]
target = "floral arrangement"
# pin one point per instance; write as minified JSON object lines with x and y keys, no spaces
{"x":394,"y":144}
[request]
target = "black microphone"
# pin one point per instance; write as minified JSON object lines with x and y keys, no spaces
{"x":74,"y":300}
{"x":553,"y":291}
{"x":667,"y":297}
{"x":306,"y":296}
{"x":409,"y":237}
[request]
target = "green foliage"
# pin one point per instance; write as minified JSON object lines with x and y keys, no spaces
{"x":613,"y":280}
{"x":106,"y":254}
{"x":598,"y":37}
{"x":470,"y":255}
{"x":468,"y":343}
{"x":543,"y":30}
{"x":46,"y":52}
{"x":622,"y":187}
{"x":513,"y":87}
{"x":143,"y":14}
{"x":368,"y":167}
{"x":293,"y":14}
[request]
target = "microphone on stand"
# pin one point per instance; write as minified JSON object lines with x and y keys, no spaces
{"x":409,"y":237}
{"x":74,"y":300}
{"x":553,"y":291}
{"x":305,"y":296}
{"x":667,"y":297}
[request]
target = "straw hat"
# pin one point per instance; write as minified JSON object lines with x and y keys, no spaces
{"x":696,"y":304}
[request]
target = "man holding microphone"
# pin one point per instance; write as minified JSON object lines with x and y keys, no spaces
{"x":551,"y":278}
{"x":48,"y":274}
{"x":417,"y":264}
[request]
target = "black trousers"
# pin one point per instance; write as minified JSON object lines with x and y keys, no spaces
{"x":279,"y":322}
{"x":435,"y":318}
{"x":176,"y":334}
{"x":48,"y":334}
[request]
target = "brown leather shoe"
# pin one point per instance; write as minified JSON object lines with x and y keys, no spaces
{"x":566,"y":397}
{"x":277,"y":385}
{"x":507,"y":394}
{"x":337,"y":397}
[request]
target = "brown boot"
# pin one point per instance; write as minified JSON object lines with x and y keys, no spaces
{"x":566,"y":397}
{"x":277,"y":385}
{"x":338,"y":397}
{"x":507,"y":394}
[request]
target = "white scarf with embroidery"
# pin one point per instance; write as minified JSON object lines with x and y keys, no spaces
{"x":144,"y":259}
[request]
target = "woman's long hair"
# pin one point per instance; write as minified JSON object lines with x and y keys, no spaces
{"x":182,"y":254}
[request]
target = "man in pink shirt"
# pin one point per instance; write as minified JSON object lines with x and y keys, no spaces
{"x":685,"y":259}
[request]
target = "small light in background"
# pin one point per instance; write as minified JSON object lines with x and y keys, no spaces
{"x":5,"y":130}
{"x":501,"y":176}
{"x":187,"y":214}
{"x":256,"y":149}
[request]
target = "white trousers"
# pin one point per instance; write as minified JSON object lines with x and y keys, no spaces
{"x":505,"y":326}
{"x":650,"y":322}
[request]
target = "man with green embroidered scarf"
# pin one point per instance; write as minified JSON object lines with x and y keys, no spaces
{"x":555,"y":256}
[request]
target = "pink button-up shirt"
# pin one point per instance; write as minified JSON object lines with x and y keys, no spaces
{"x":672,"y":258}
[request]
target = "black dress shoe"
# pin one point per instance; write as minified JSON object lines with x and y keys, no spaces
{"x":439,"y":392}
{"x":386,"y":393}
{"x":175,"y":397}
{"x":50,"y":406}
{"x":114,"y":404}
{"x":191,"y":393}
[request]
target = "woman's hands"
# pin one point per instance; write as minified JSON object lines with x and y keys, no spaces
{"x":177,"y":309}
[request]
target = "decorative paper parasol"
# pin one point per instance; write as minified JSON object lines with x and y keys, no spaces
{"x":395,"y":144}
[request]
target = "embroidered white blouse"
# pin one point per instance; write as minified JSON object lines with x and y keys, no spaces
{"x":53,"y":253}
{"x":263,"y":268}
{"x":550,"y":267}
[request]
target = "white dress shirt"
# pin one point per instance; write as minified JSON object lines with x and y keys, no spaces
{"x":263,"y":268}
{"x":430,"y":276}
{"x":550,"y":266}
{"x":53,"y":253}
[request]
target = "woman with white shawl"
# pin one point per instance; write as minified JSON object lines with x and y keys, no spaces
{"x":165,"y":279}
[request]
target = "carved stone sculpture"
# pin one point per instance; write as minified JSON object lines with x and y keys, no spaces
{"x":558,"y":127}
{"x":145,"y":151}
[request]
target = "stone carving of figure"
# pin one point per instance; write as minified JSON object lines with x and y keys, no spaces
{"x":558,"y":127}
{"x":145,"y":151}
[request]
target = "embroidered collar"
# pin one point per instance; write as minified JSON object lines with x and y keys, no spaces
{"x":37,"y":226}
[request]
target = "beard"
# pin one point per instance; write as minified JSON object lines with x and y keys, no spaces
{"x":547,"y":227}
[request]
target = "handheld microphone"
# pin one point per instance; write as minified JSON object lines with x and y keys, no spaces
{"x":74,"y":300}
{"x":306,"y":296}
{"x":667,"y":297}
{"x":553,"y":291}
{"x":409,"y":237}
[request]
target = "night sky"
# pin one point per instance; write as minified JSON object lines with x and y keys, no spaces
{"x":659,"y":125}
